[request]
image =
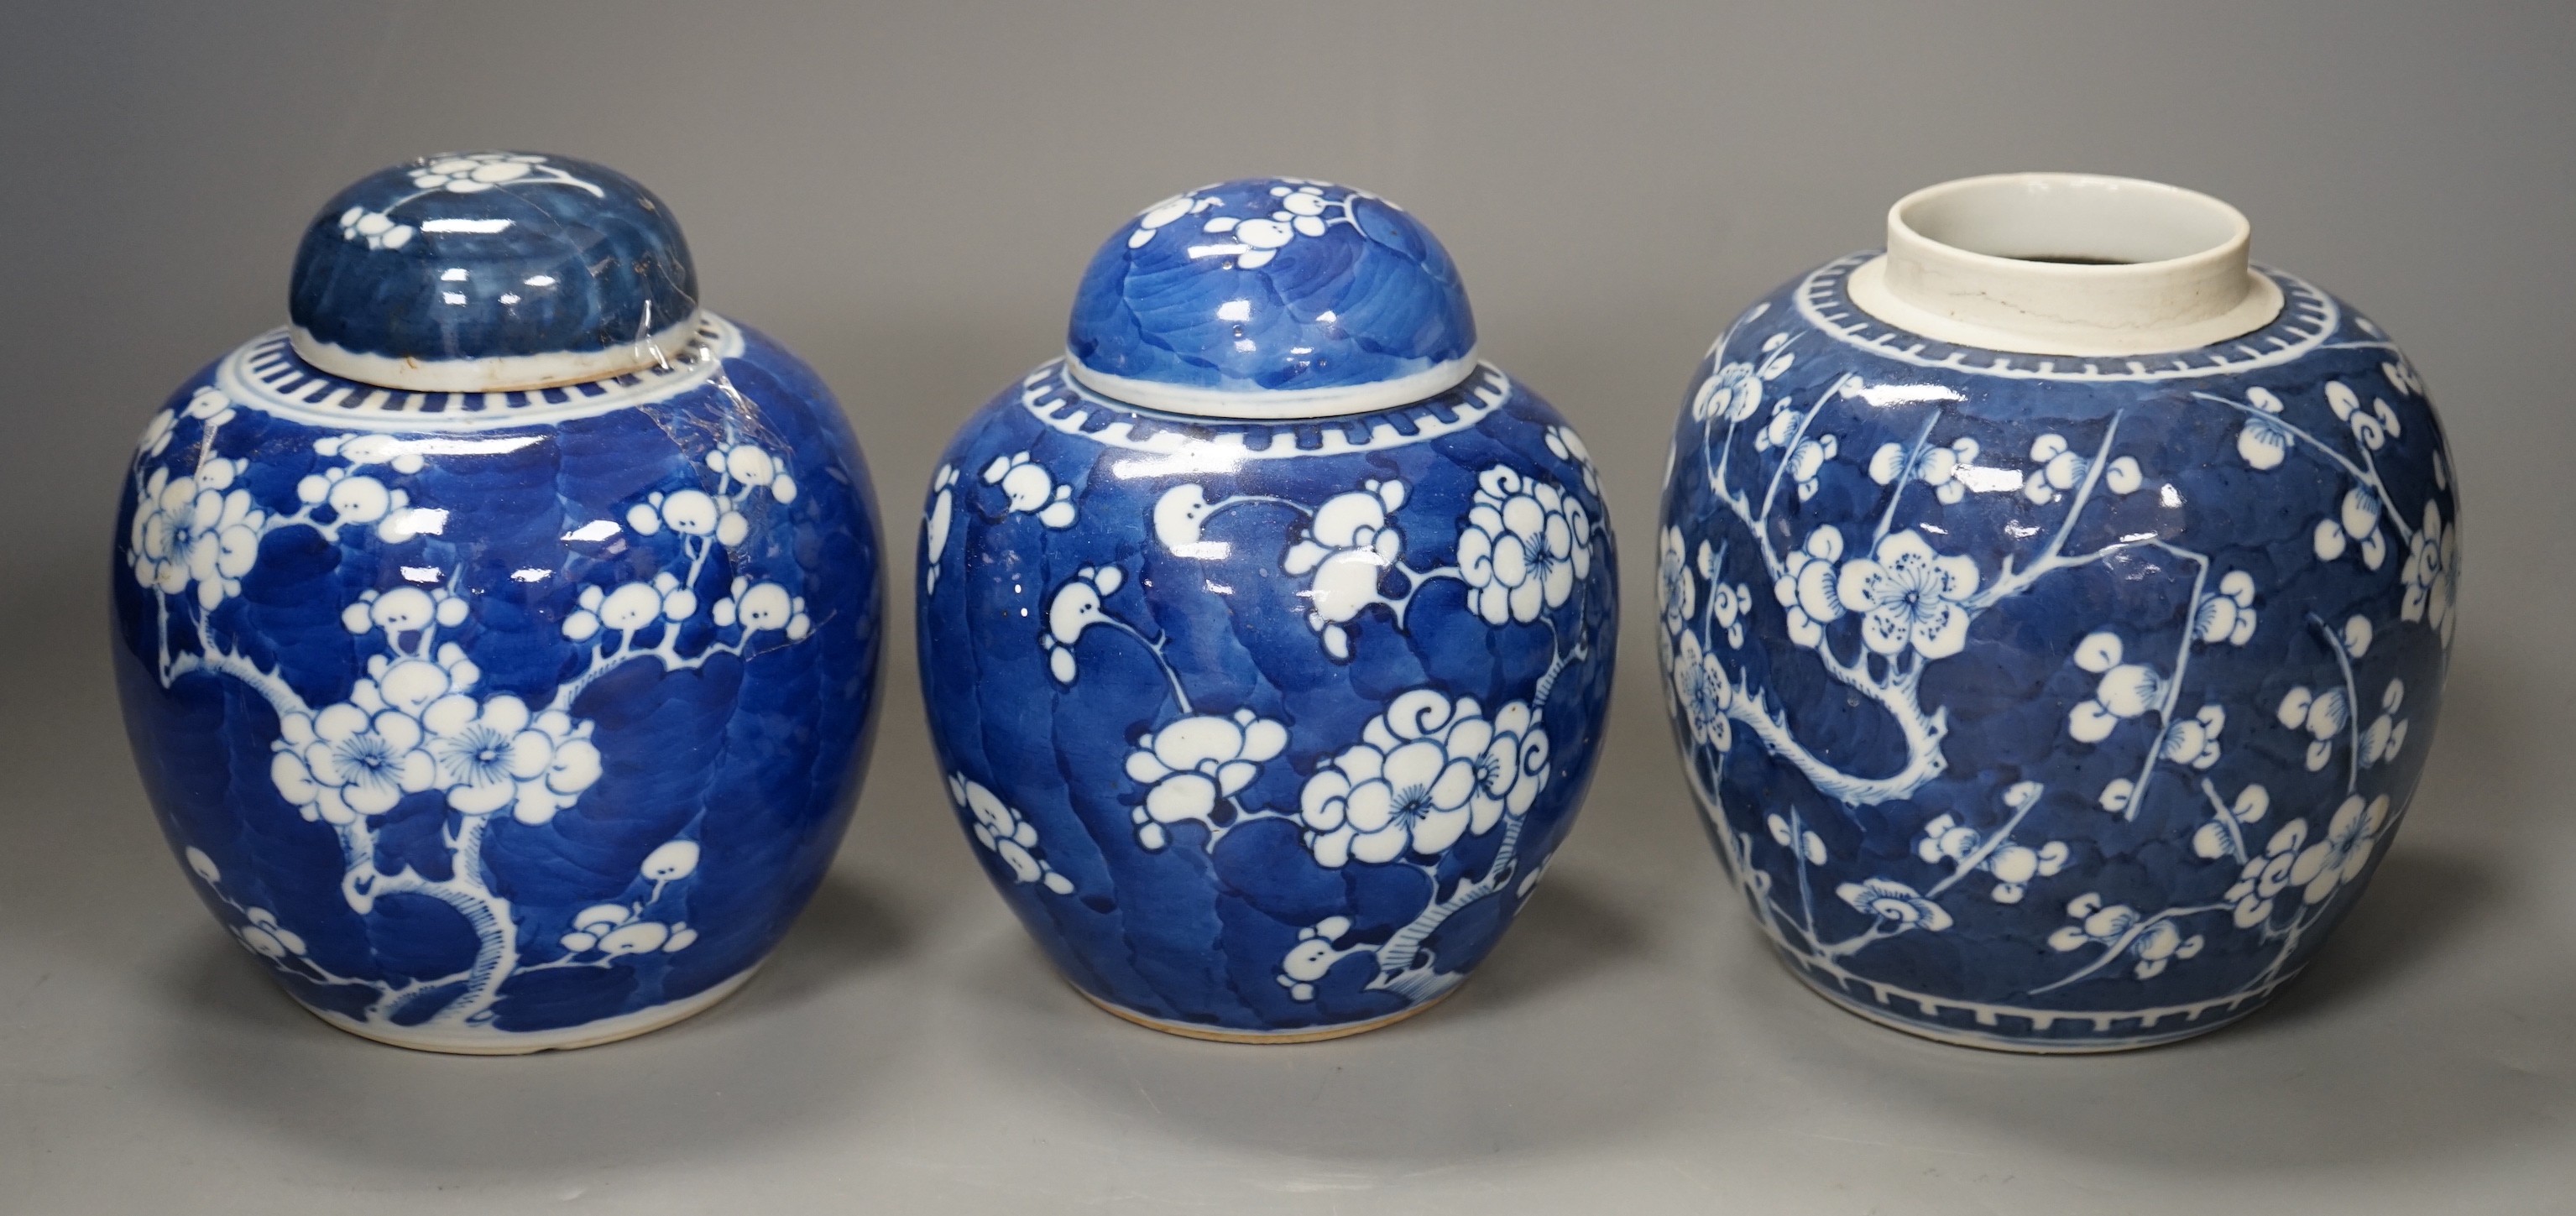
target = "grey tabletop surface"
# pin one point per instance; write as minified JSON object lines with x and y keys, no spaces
{"x":906,"y":196}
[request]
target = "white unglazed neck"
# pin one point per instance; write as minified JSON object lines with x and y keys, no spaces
{"x":1275,"y":405}
{"x":498,"y":373}
{"x":2066,"y":264}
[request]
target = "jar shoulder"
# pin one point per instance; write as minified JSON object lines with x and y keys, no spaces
{"x":1048,"y":424}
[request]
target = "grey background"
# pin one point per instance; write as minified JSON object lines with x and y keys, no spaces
{"x":906,"y":195}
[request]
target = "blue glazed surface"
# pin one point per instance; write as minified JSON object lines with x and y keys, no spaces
{"x":2061,"y":703}
{"x":487,"y":254}
{"x":1271,"y":284}
{"x":483,"y":720}
{"x":1165,"y":658}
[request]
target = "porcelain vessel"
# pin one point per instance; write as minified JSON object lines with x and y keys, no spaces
{"x":1266,"y":636}
{"x":498,"y":641}
{"x":2055,"y":611}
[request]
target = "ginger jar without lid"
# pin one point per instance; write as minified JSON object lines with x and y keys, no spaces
{"x":499,"y":640}
{"x":1266,"y":635}
{"x":2055,"y":609}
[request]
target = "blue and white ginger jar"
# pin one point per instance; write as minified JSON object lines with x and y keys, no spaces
{"x":499,"y":641}
{"x":2055,"y":612}
{"x":1266,"y":636}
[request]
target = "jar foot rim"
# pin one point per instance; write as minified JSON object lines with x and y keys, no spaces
{"x":1997,"y":1041}
{"x":487,"y":1042}
{"x":1215,"y":1034}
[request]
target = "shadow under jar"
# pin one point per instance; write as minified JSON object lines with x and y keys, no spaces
{"x":499,"y":640}
{"x":1266,"y":636}
{"x":2055,"y":610}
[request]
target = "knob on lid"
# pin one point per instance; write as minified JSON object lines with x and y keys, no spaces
{"x":1272,"y":297}
{"x":492,"y":271}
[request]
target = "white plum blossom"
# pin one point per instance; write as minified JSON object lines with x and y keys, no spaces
{"x":2344,"y":851}
{"x":2265,"y":875}
{"x":2154,"y":943}
{"x":1301,"y":211}
{"x":2432,"y":574}
{"x":1677,"y":589}
{"x":413,"y":725}
{"x":2355,"y":523}
{"x":741,"y":469}
{"x":1701,"y":685}
{"x":473,"y":172}
{"x":2322,"y":714}
{"x":1426,"y":772}
{"x":394,"y":452}
{"x":1313,"y":956}
{"x":2013,"y":865}
{"x":2227,"y":616}
{"x":2403,"y":377}
{"x":1007,"y":833}
{"x":2374,"y":426}
{"x":1351,"y":542}
{"x":1031,"y":490}
{"x":1807,"y":588}
{"x":1524,"y":545}
{"x":1732,"y":391}
{"x":2125,"y":690}
{"x":629,"y":607}
{"x":2386,"y":733}
{"x":613,"y":930}
{"x":1907,"y":595}
{"x":207,"y":404}
{"x":403,"y":610}
{"x":1809,"y":846}
{"x":669,"y":862}
{"x":265,"y":937}
{"x":1781,"y":430}
{"x":2194,"y":740}
{"x":1807,"y":463}
{"x":1155,"y":218}
{"x":934,"y":525}
{"x":1776,"y":360}
{"x":359,"y":757}
{"x":2061,"y":469}
{"x":1194,"y":766}
{"x":1729,"y":605}
{"x":692,"y":513}
{"x":1569,"y":448}
{"x":2224,"y":835}
{"x":2117,"y":795}
{"x":1076,"y":607}
{"x":197,"y":531}
{"x":495,"y":753}
{"x":761,"y":606}
{"x":375,"y":228}
{"x":357,"y":499}
{"x":753,"y":465}
{"x":2264,"y":441}
{"x":1894,"y":904}
{"x":156,"y":434}
{"x":1937,"y":467}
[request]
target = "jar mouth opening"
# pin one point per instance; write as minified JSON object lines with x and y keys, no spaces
{"x":2066,"y":264}
{"x":2074,"y":223}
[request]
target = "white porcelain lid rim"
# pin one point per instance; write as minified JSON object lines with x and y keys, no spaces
{"x":1276,"y":405}
{"x":1985,"y":262}
{"x":498,"y":374}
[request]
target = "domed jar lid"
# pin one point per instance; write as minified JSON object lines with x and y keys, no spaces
{"x":1270,"y":298}
{"x":492,"y":272}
